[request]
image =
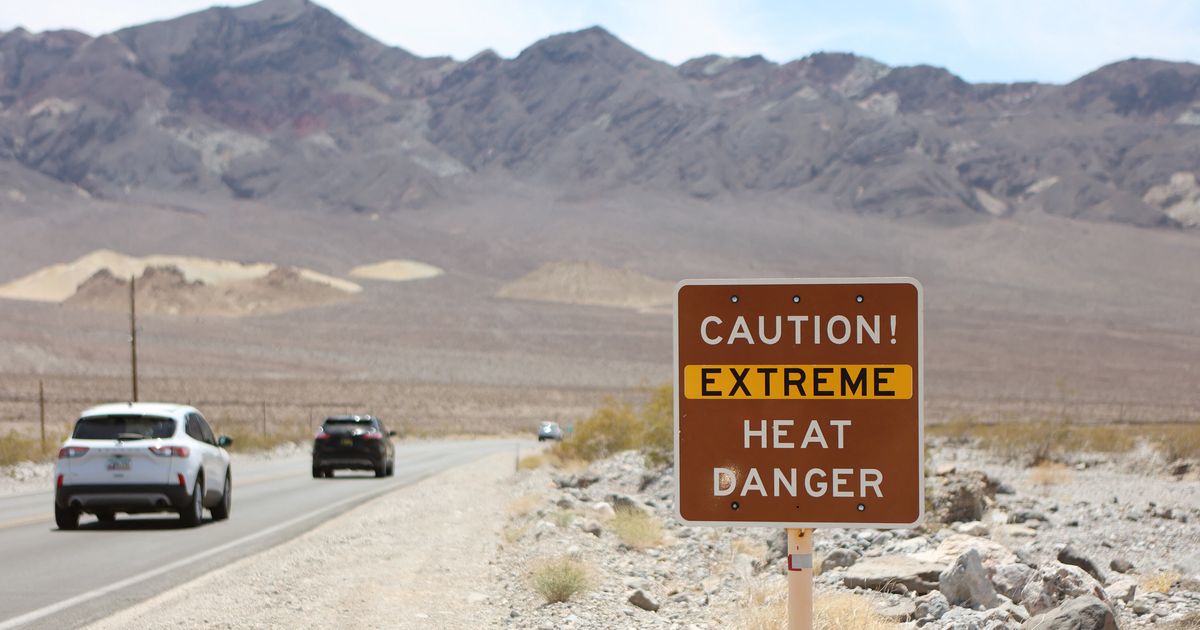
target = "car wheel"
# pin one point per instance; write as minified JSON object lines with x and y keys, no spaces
{"x":66,"y":518}
{"x":317,"y":472}
{"x":191,"y":515}
{"x":381,"y":470}
{"x":106,"y":517}
{"x":220,"y":511}
{"x":391,"y":468}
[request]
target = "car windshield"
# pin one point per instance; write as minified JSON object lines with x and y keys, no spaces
{"x":348,"y":424}
{"x":123,"y":428}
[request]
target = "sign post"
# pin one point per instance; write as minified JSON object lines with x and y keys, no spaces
{"x":799,"y":404}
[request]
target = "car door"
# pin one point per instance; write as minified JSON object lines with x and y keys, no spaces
{"x":197,"y":429}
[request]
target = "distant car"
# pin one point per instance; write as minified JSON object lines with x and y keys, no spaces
{"x":355,"y":443}
{"x":142,"y":457}
{"x":549,"y":431}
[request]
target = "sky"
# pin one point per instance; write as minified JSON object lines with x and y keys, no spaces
{"x":1052,"y":41}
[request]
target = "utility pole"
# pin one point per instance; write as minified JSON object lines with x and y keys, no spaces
{"x":133,"y":335}
{"x":42,"y":412}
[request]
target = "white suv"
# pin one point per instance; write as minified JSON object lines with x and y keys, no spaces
{"x":142,"y":457}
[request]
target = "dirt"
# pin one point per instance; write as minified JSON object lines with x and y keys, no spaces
{"x":591,"y":284}
{"x":391,"y":563}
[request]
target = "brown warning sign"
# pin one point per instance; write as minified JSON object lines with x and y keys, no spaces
{"x":799,"y":402}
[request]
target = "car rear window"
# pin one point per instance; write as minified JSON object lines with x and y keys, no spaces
{"x":348,"y":424}
{"x":123,"y":427}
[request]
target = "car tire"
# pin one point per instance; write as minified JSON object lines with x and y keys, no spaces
{"x":193,"y":513}
{"x":106,"y":517}
{"x":220,"y":511}
{"x":391,"y":468}
{"x":65,"y":517}
{"x":381,"y":470}
{"x":317,"y":472}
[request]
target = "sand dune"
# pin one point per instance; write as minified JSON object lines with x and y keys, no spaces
{"x":396,"y":271}
{"x":593,"y":285}
{"x":58,"y":282}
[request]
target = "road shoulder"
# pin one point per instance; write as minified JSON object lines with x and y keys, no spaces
{"x":414,"y":558}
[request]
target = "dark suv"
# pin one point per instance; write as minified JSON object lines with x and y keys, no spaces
{"x":353,"y":442}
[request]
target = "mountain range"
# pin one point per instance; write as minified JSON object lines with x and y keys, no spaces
{"x":284,"y":103}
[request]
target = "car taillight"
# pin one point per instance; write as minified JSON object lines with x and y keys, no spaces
{"x":68,"y":452}
{"x":372,"y":436}
{"x":323,"y":436}
{"x":170,"y":451}
{"x":182,"y":481}
{"x":60,"y":481}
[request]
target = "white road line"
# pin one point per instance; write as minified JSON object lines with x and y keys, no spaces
{"x":46,"y":611}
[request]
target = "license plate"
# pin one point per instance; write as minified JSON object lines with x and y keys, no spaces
{"x":118,"y":462}
{"x":347,"y":441}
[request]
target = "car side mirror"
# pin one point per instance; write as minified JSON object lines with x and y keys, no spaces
{"x":224,"y":440}
{"x":392,"y":433}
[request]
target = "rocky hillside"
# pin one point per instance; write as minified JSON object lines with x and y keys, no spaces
{"x":282,"y":101}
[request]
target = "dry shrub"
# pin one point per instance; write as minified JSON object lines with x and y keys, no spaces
{"x":1189,"y":622}
{"x":1051,"y":440}
{"x":560,"y":578}
{"x":16,"y":448}
{"x":1160,"y":582}
{"x":513,"y":533}
{"x":843,"y":611}
{"x":563,"y":518}
{"x":766,"y":609}
{"x":1049,"y":474}
{"x":617,"y":426}
{"x":523,"y":505}
{"x":531,"y":462}
{"x":637,"y":529}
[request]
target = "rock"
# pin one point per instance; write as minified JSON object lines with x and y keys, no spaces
{"x":1080,"y":613}
{"x":945,"y":469}
{"x":644,"y":600}
{"x":898,"y":612}
{"x":1068,"y":555}
{"x":894,"y":574}
{"x":959,"y":497}
{"x":626,"y":502}
{"x":966,"y":583}
{"x":972,"y":528}
{"x":1180,"y":468}
{"x":590,"y":526}
{"x":1020,"y":516}
{"x":575,"y":481}
{"x":839,"y":558}
{"x":604,"y":509}
{"x":1010,"y":579}
{"x":990,"y":552}
{"x":777,"y":546}
{"x":1016,"y":531}
{"x":1055,"y":583}
{"x":931,"y":607}
{"x":1123,"y":589}
{"x":1120,"y":565}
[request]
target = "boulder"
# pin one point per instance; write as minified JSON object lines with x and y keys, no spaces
{"x":1123,"y":589}
{"x":966,"y":583}
{"x":960,"y":496}
{"x":1055,"y":583}
{"x":626,"y":502}
{"x":930,"y":607}
{"x":1010,"y":579}
{"x":990,"y":553}
{"x":894,"y":574}
{"x":972,"y":528}
{"x":1081,"y":613}
{"x":839,"y":558}
{"x":1120,"y":565}
{"x":1069,"y":555}
{"x":899,"y":612}
{"x":644,"y":600}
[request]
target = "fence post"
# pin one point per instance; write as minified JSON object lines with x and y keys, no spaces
{"x":264,"y":419}
{"x":42,"y":412}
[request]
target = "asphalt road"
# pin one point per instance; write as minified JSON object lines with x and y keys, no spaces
{"x":64,"y":579}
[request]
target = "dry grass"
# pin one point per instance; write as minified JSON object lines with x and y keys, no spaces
{"x":1189,"y":622}
{"x":1160,"y":582}
{"x":1050,"y":440}
{"x":637,"y":529}
{"x":766,"y":609}
{"x":513,"y":533}
{"x":560,"y":578}
{"x":16,"y":448}
{"x":532,"y":462}
{"x":1049,"y":474}
{"x":523,"y":505}
{"x":563,"y":518}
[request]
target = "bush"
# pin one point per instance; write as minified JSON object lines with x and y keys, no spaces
{"x":561,"y":578}
{"x":16,"y":448}
{"x":637,"y":529}
{"x":616,"y":427}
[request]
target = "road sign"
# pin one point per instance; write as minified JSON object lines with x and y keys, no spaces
{"x":799,"y":402}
